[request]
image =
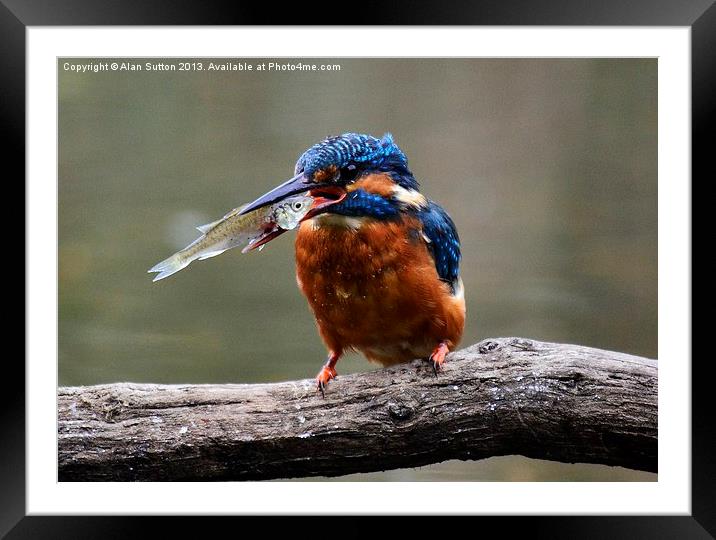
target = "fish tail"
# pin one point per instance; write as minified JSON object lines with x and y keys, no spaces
{"x":170,"y":266}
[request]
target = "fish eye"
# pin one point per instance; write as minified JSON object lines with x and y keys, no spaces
{"x":297,"y":206}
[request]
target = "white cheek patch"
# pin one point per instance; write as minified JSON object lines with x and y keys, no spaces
{"x":410,"y":197}
{"x":459,"y":289}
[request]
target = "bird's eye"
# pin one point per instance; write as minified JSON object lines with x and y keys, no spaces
{"x":347,"y":173}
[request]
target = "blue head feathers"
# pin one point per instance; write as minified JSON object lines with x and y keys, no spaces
{"x":358,"y":153}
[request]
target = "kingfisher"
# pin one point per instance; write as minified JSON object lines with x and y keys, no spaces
{"x":378,"y":262}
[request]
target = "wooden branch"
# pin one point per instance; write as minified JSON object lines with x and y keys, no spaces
{"x":501,"y":396}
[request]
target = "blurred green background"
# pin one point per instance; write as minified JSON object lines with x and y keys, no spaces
{"x":548,"y":167}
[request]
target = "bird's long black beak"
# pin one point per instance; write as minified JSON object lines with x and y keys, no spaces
{"x":297,"y":184}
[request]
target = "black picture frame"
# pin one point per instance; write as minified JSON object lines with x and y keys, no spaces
{"x":699,"y":15}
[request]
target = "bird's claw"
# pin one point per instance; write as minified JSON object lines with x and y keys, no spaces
{"x":437,"y":358}
{"x":326,"y":374}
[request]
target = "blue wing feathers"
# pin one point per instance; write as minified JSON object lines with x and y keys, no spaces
{"x":444,"y":243}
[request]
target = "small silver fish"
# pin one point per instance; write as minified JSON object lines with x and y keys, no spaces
{"x":253,"y":229}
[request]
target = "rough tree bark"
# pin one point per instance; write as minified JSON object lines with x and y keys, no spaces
{"x":501,"y":396}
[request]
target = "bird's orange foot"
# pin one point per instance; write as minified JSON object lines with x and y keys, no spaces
{"x":326,"y":374}
{"x":437,"y":358}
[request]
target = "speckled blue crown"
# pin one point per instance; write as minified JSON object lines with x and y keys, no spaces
{"x":351,"y":148}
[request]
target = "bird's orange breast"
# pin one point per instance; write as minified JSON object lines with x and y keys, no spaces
{"x":373,"y":287}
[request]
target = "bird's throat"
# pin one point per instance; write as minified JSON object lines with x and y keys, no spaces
{"x":336,"y":220}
